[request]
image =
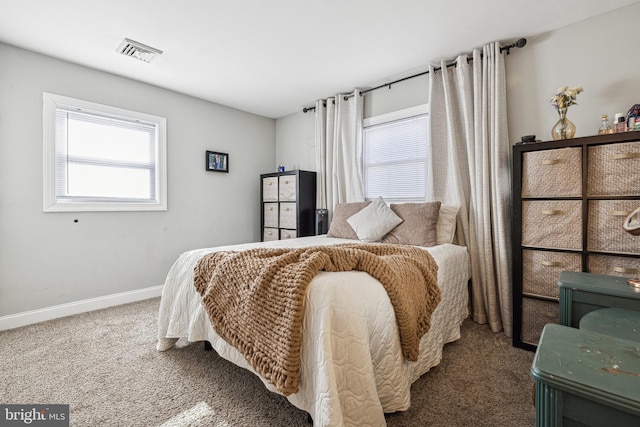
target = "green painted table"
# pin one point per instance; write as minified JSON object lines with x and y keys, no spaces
{"x":586,"y":379}
{"x":613,"y":322}
{"x":582,"y":293}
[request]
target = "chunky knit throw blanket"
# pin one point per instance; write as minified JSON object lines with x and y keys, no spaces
{"x":255,"y":298}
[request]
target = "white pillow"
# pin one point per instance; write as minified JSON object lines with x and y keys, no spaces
{"x":447,"y":223}
{"x":373,"y":222}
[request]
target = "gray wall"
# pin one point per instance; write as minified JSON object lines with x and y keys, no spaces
{"x":296,"y":149}
{"x":598,"y":54}
{"x":47,"y":259}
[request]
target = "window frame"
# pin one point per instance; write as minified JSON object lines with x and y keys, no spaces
{"x":51,"y":203}
{"x":406,"y":113}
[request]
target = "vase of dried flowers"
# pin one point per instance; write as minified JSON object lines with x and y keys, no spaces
{"x":561,"y":101}
{"x":564,"y":128}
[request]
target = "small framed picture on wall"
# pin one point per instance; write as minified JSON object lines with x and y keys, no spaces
{"x":217,"y":162}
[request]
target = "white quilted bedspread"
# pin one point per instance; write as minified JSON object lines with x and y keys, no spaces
{"x":352,"y":365}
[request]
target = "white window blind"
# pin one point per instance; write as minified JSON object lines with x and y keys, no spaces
{"x":102,"y":158}
{"x":395,"y":150}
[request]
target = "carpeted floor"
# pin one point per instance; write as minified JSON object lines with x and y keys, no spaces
{"x":105,"y":366}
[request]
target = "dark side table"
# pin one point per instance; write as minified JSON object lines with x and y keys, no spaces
{"x":582,"y":293}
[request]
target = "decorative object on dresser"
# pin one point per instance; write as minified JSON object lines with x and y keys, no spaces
{"x":561,"y":101}
{"x":288,"y":204}
{"x":631,"y":225}
{"x":569,"y":199}
{"x":605,"y":127}
{"x":527,"y":139}
{"x":632,"y":117}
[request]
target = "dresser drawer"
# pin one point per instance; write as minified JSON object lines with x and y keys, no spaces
{"x":605,"y":232}
{"x":287,"y":188}
{"x":288,"y":215}
{"x":614,"y":170}
{"x":535,"y":314}
{"x":287,"y":234}
{"x":614,"y":266}
{"x":269,"y":234}
{"x":552,"y":173}
{"x":552,"y":224}
{"x":270,"y":215}
{"x":270,"y":189}
{"x":541,"y":270}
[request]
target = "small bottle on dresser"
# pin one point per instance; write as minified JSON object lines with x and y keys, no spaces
{"x":605,"y":128}
{"x":618,"y":123}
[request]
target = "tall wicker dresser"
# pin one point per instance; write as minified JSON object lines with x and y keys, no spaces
{"x":288,"y":202}
{"x":570,"y":199}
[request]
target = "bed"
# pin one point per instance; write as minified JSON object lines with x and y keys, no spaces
{"x":352,"y":367}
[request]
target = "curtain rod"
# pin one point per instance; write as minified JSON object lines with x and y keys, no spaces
{"x":521,"y":42}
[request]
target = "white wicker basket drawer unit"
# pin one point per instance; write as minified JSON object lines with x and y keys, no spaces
{"x":288,"y":203}
{"x":552,"y":173}
{"x":541,"y":269}
{"x":271,"y":215}
{"x":288,"y":216}
{"x":614,"y":265}
{"x":270,"y":189}
{"x":604,"y":226}
{"x":287,"y":188}
{"x":614,"y":170}
{"x":269,"y":234}
{"x":555,"y":224}
{"x":287,"y":234}
{"x":535,"y":314}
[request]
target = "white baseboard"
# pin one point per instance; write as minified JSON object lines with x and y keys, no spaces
{"x":48,"y":313}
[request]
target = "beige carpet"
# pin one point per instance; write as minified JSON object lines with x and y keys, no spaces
{"x":104,"y":364}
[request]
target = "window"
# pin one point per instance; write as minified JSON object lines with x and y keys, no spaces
{"x":395,"y":153}
{"x":102,"y":158}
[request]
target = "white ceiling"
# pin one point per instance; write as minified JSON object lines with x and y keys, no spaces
{"x":274,"y":57}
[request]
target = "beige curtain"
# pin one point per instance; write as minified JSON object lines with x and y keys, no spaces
{"x":471,"y":168}
{"x":338,"y":142}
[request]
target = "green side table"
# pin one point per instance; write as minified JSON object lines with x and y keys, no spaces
{"x":582,"y":293}
{"x":613,"y":322}
{"x":586,"y":379}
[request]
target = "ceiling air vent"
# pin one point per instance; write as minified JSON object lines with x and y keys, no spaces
{"x":138,"y":50}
